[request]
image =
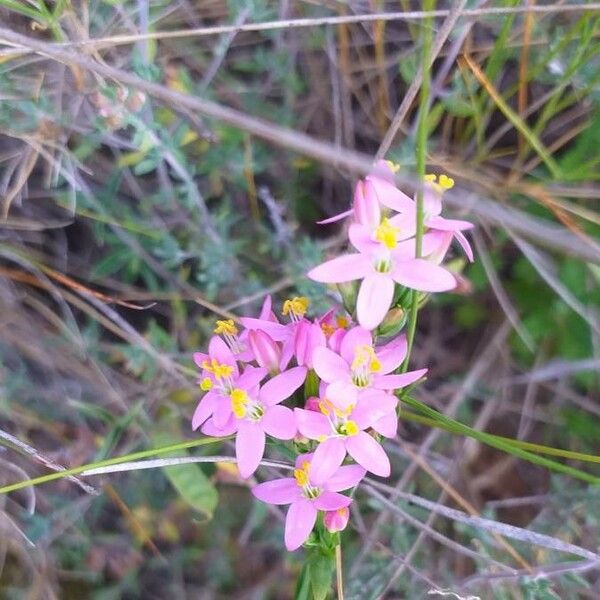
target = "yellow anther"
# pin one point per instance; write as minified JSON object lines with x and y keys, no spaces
{"x":394,"y":167}
{"x":206,"y":384}
{"x":342,"y":322}
{"x":364,"y":355}
{"x":375,"y":365}
{"x":445,"y":182}
{"x":301,"y":475}
{"x":227,"y":327}
{"x":350,"y":428}
{"x":430,"y":178}
{"x":326,"y":407}
{"x":296,"y":306}
{"x":220,"y":371}
{"x":387,"y":234}
{"x":239,"y":400}
{"x":327,"y":329}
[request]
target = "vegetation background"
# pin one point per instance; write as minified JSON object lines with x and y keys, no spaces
{"x":141,"y":199}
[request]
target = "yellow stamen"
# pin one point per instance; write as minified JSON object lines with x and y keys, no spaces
{"x":221,"y":371}
{"x":387,"y":234}
{"x":327,"y":329}
{"x":342,"y":322}
{"x":206,"y":384}
{"x":326,"y":407}
{"x":239,"y":400}
{"x":350,"y":428}
{"x":394,"y":167}
{"x":375,"y":365}
{"x":296,"y":306}
{"x":301,"y":475}
{"x":227,"y":326}
{"x":362,"y":355}
{"x":430,"y":178}
{"x":446,"y":182}
{"x":440,"y":184}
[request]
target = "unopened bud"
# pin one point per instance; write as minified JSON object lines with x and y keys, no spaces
{"x":393,"y":322}
{"x":336,"y":520}
{"x":348,"y":291}
{"x":366,"y":205}
{"x":266,"y":351}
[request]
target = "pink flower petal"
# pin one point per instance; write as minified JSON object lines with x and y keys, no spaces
{"x":209,"y":428}
{"x":205,"y":409}
{"x":432,"y":201}
{"x":395,"y":382}
{"x":347,"y":267}
{"x":200,"y":357}
{"x":308,"y":336}
{"x":464,"y":244}
{"x":249,"y":447}
{"x":392,"y":355}
{"x":265,"y":311}
{"x":282,"y":386}
{"x":422,"y":275}
{"x":329,"y":365}
{"x":251,"y":377}
{"x":343,"y":394}
{"x":360,"y":237}
{"x":222,"y":412}
{"x":387,"y":425}
{"x":346,"y":477}
{"x":369,"y":454}
{"x":372,"y":405}
{"x":406,"y":223}
{"x":276,"y":331}
{"x":312,"y":424}
{"x":279,"y":422}
{"x":299,"y":522}
{"x":278,"y":491}
{"x":367,"y":210}
{"x":335,"y":218}
{"x":444,"y":224}
{"x":390,"y":196}
{"x":357,"y":336}
{"x":327,"y":459}
{"x":331,"y":501}
{"x":374,"y":299}
{"x":220,"y":351}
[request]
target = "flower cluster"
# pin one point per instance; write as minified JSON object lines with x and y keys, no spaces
{"x":338,"y":378}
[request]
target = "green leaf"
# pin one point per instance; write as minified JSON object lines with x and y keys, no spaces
{"x":189,"y":480}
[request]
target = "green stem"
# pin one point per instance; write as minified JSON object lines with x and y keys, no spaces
{"x":421,"y":160}
{"x":111,"y":461}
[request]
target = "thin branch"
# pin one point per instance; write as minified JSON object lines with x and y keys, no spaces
{"x":417,"y":15}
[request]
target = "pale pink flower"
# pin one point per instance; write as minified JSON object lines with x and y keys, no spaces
{"x":220,"y":376}
{"x":256,"y":412}
{"x":342,"y":430}
{"x":380,"y":268}
{"x":359,"y":366}
{"x":307,"y":496}
{"x":336,"y":520}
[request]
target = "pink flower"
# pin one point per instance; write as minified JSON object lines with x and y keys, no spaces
{"x":381,"y":266}
{"x":432,"y":201}
{"x":220,"y":376}
{"x":266,"y":351}
{"x":336,"y":520}
{"x":307,"y":497}
{"x":342,"y":430}
{"x":360,"y":366}
{"x":254,"y":413}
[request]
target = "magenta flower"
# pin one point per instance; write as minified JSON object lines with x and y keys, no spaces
{"x":255,"y":413}
{"x":307,"y":496}
{"x":360,"y":366}
{"x":342,"y":430}
{"x":381,"y":266}
{"x":220,"y":376}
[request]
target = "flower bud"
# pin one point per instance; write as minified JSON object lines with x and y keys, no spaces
{"x":348,"y":292}
{"x":366,"y":205}
{"x":308,"y":336}
{"x":336,"y":520}
{"x":312,"y":403}
{"x":266,"y":351}
{"x":393,"y":322}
